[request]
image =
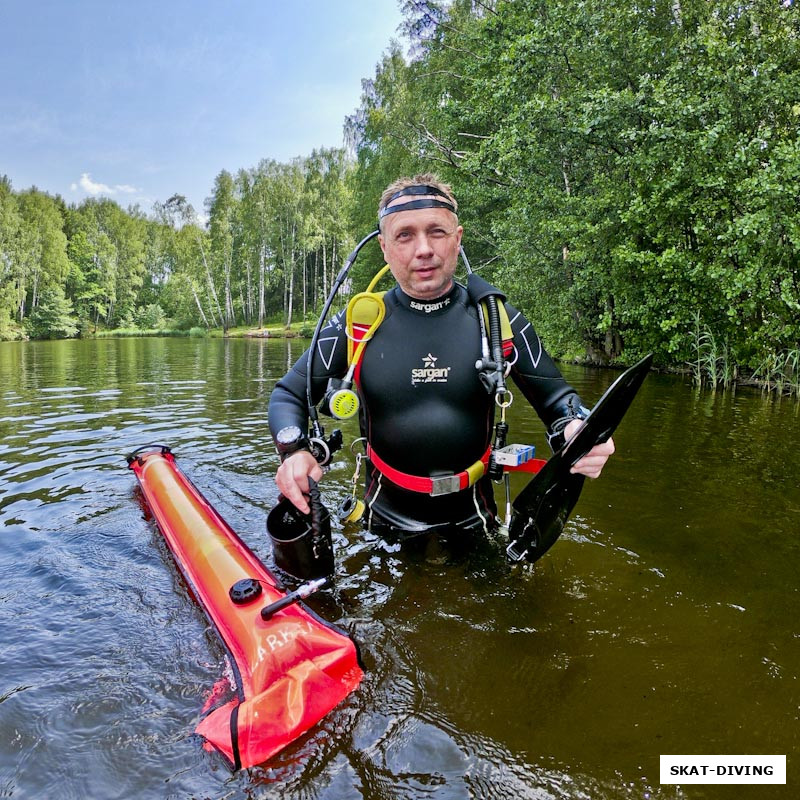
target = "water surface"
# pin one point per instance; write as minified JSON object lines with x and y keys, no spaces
{"x":664,"y":621}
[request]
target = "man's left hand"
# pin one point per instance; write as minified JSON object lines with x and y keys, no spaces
{"x":591,"y":465}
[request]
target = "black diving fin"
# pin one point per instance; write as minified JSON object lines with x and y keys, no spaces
{"x":541,"y":509}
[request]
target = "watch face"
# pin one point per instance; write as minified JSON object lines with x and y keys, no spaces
{"x":288,"y":435}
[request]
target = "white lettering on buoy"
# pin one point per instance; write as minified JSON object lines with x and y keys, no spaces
{"x":282,"y":637}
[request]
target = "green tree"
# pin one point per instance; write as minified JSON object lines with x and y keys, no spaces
{"x":328,"y":202}
{"x":42,"y":256}
{"x":192,"y":256}
{"x":184,"y":296}
{"x":11,"y":225}
{"x":52,"y":318}
{"x":92,"y":278}
{"x":223,"y":225}
{"x":127,"y":232}
{"x":622,"y":168}
{"x":382,"y":134}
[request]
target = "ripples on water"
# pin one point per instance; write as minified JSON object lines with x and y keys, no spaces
{"x":665,"y":620}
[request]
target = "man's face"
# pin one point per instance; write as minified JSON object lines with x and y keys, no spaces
{"x":421,"y":248}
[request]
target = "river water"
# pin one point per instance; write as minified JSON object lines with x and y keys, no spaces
{"x":666,"y":619}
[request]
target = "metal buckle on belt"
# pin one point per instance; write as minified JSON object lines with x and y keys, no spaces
{"x":445,"y":484}
{"x":513,"y":551}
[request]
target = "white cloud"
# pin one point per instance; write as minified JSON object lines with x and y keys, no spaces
{"x":88,"y":185}
{"x":94,"y":188}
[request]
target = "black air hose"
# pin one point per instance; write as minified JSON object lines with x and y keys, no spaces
{"x":496,"y":342}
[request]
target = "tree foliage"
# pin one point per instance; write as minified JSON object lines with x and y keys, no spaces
{"x":266,"y":251}
{"x":628,"y":172}
{"x":623,"y":169}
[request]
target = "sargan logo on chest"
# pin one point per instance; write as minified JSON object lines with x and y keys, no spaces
{"x":429,"y":372}
{"x":428,"y":307}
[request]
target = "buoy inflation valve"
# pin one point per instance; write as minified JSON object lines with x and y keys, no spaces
{"x":244,"y":591}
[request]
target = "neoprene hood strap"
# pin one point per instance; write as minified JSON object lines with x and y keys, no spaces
{"x":418,"y":191}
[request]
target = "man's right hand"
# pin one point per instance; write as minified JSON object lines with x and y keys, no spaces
{"x":292,"y":478}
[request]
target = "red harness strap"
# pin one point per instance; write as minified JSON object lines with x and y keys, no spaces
{"x":437,"y":485}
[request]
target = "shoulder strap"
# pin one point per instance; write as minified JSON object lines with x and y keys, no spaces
{"x":506,"y":334}
{"x":365,"y":312}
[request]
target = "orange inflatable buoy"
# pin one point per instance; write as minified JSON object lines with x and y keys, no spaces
{"x":290,"y":667}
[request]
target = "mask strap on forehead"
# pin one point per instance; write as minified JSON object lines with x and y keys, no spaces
{"x":423,"y":202}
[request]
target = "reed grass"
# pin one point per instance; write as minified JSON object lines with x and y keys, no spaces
{"x":714,"y":362}
{"x":780,"y":372}
{"x":697,"y":364}
{"x":793,"y":365}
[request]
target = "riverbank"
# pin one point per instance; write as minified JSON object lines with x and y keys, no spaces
{"x":779,"y":376}
{"x":293,"y":331}
{"x":275,"y":331}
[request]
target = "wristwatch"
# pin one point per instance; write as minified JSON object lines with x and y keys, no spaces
{"x":289,"y":440}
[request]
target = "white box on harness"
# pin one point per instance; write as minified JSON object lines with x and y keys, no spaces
{"x":513,"y":455}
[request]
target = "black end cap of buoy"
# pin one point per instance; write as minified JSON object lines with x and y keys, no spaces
{"x":245,"y":590}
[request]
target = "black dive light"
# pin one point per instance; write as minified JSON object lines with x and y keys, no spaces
{"x":323,"y":448}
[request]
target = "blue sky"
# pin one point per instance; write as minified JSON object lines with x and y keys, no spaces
{"x":139,"y":100}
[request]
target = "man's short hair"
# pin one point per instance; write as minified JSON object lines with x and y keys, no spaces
{"x":424,"y":179}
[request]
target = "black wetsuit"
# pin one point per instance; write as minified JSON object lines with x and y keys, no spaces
{"x":423,"y":408}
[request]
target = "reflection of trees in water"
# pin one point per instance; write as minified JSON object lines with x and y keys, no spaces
{"x":671,"y":589}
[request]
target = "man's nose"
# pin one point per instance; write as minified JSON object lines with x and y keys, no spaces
{"x":424,"y":246}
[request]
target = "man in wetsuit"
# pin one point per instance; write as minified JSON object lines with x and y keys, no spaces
{"x":425,"y":413}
